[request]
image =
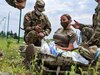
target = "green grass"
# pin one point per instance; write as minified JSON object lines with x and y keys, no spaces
{"x":12,"y":60}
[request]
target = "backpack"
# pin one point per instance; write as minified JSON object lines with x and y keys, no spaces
{"x":88,"y":52}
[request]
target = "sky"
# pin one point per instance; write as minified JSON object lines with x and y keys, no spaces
{"x":80,"y":10}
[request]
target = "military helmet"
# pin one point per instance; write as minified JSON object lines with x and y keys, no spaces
{"x":40,"y":4}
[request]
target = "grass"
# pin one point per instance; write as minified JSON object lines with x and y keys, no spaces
{"x":12,"y":60}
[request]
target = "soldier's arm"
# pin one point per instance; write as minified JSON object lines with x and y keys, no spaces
{"x":47,"y":29}
{"x":27,"y":22}
{"x":80,"y":26}
{"x":83,"y":25}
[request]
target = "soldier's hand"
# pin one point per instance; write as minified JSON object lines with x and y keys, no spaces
{"x":37,"y":28}
{"x":76,"y":25}
{"x":41,"y":35}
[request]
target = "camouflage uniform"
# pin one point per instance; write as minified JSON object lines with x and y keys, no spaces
{"x":63,"y":37}
{"x":86,"y":32}
{"x":93,"y":31}
{"x":30,"y":21}
{"x":35,"y":22}
{"x":96,"y":24}
{"x":96,"y":17}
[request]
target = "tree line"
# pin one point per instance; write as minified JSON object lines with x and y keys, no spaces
{"x":9,"y":34}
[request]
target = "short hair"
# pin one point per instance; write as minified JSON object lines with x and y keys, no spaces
{"x":68,"y":16}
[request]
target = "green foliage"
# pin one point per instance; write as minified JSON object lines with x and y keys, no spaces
{"x":12,"y":60}
{"x":81,"y":70}
{"x":72,"y":70}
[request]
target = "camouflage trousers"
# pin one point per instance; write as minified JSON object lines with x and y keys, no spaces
{"x":91,"y":36}
{"x":32,"y":38}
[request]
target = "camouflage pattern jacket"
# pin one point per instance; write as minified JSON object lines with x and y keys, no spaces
{"x":96,"y":18}
{"x":31,"y":20}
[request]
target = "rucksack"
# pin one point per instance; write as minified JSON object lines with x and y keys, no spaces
{"x":89,"y":52}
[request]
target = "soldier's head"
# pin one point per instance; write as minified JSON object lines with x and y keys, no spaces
{"x":98,"y":1}
{"x":65,"y":20}
{"x":39,"y":6}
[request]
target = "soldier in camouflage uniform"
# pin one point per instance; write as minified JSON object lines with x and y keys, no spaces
{"x":65,"y":37}
{"x":36,"y":26}
{"x":20,"y":4}
{"x":96,"y":16}
{"x":91,"y":34}
{"x":96,"y":25}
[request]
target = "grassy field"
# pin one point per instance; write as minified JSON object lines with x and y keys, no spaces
{"x":12,"y":60}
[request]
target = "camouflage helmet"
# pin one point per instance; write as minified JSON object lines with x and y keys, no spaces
{"x":40,"y":4}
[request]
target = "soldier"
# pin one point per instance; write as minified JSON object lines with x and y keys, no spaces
{"x":91,"y":34}
{"x":36,"y":26}
{"x":96,"y":24}
{"x":20,"y":4}
{"x":96,"y":16}
{"x":64,"y":37}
